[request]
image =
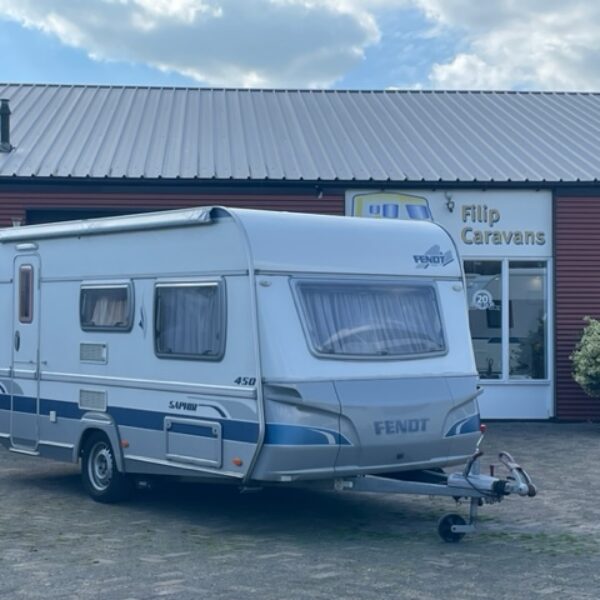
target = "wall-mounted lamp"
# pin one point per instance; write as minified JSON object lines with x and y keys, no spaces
{"x":449,"y":202}
{"x":319,"y":191}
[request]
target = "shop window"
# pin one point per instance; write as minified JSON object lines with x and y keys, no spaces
{"x":484,"y":294}
{"x":509,"y":342}
{"x":527,"y":330}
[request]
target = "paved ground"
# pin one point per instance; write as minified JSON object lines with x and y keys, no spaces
{"x":192,"y":541}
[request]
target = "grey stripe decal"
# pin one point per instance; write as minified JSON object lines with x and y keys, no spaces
{"x":151,"y":384}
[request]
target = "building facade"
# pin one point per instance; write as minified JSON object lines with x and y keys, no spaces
{"x":512,"y":177}
{"x":506,"y":244}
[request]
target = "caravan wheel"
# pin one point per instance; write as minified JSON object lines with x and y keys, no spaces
{"x":101,"y":478}
{"x":445,"y":528}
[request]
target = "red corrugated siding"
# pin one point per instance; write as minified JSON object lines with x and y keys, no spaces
{"x":16,"y":204}
{"x":577,"y":269}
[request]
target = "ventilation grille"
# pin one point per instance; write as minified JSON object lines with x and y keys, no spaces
{"x":92,"y":400}
{"x":93,"y":352}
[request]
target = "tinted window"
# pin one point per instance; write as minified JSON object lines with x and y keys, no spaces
{"x":26,"y":294}
{"x":106,"y":308}
{"x":190,"y":321}
{"x":372,"y":319}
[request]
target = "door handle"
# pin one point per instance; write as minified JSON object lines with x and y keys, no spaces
{"x":17,"y":340}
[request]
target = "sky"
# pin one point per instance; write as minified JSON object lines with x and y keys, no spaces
{"x":338,"y":44}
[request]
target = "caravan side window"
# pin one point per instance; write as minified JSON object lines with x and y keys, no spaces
{"x":106,"y":307}
{"x":26,"y":293}
{"x":189,"y":320}
{"x":370,"y":319}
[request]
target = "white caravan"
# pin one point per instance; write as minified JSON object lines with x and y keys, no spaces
{"x":251,"y":346}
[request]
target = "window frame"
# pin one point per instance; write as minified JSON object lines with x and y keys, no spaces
{"x":502,"y":301}
{"x":505,"y":378}
{"x":29,"y":269}
{"x":219,"y":284}
{"x":543,"y":264}
{"x":130,"y":298}
{"x":297,"y":282}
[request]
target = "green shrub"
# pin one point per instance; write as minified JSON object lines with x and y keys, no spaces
{"x":586,"y":358}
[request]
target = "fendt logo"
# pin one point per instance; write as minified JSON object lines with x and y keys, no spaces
{"x":434,"y":257}
{"x":400,"y":426}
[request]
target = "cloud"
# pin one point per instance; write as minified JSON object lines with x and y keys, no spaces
{"x":524,"y":44}
{"x":486,"y":44}
{"x":271,"y":43}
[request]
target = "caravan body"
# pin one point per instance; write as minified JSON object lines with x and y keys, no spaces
{"x":239,"y":344}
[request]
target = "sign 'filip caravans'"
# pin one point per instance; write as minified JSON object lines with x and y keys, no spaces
{"x":483,"y":225}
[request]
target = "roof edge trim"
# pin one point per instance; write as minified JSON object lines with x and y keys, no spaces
{"x":137,"y":222}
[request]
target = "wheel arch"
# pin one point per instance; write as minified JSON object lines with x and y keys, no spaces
{"x":109,"y":429}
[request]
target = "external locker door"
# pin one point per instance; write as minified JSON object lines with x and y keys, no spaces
{"x":194,"y":441}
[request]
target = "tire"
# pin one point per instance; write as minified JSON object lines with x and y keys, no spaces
{"x":100,"y":476}
{"x":445,"y":528}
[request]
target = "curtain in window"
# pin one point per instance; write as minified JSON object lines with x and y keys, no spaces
{"x":189,"y":321}
{"x":367,"y":320}
{"x":109,"y":311}
{"x":105,"y":308}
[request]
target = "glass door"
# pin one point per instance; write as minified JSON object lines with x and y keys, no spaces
{"x":484,"y":293}
{"x":528,"y":327}
{"x":508,"y":315}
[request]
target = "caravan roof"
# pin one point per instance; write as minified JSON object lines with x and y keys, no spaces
{"x":291,"y":242}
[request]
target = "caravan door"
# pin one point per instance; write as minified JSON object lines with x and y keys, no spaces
{"x":25,"y":352}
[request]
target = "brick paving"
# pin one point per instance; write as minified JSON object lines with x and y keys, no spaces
{"x":197,"y":541}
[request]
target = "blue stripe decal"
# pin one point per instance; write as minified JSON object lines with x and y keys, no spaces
{"x":145,"y":419}
{"x":232,"y":430}
{"x":67,"y":410}
{"x":468,"y":425}
{"x":236,"y":431}
{"x":24,"y":404}
{"x":240,"y":431}
{"x":294,"y":435}
{"x":4,"y":402}
{"x":189,"y":429}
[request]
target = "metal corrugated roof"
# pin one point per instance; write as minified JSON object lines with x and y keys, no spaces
{"x":199,"y":133}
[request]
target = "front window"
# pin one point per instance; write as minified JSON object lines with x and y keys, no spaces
{"x":371,"y":320}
